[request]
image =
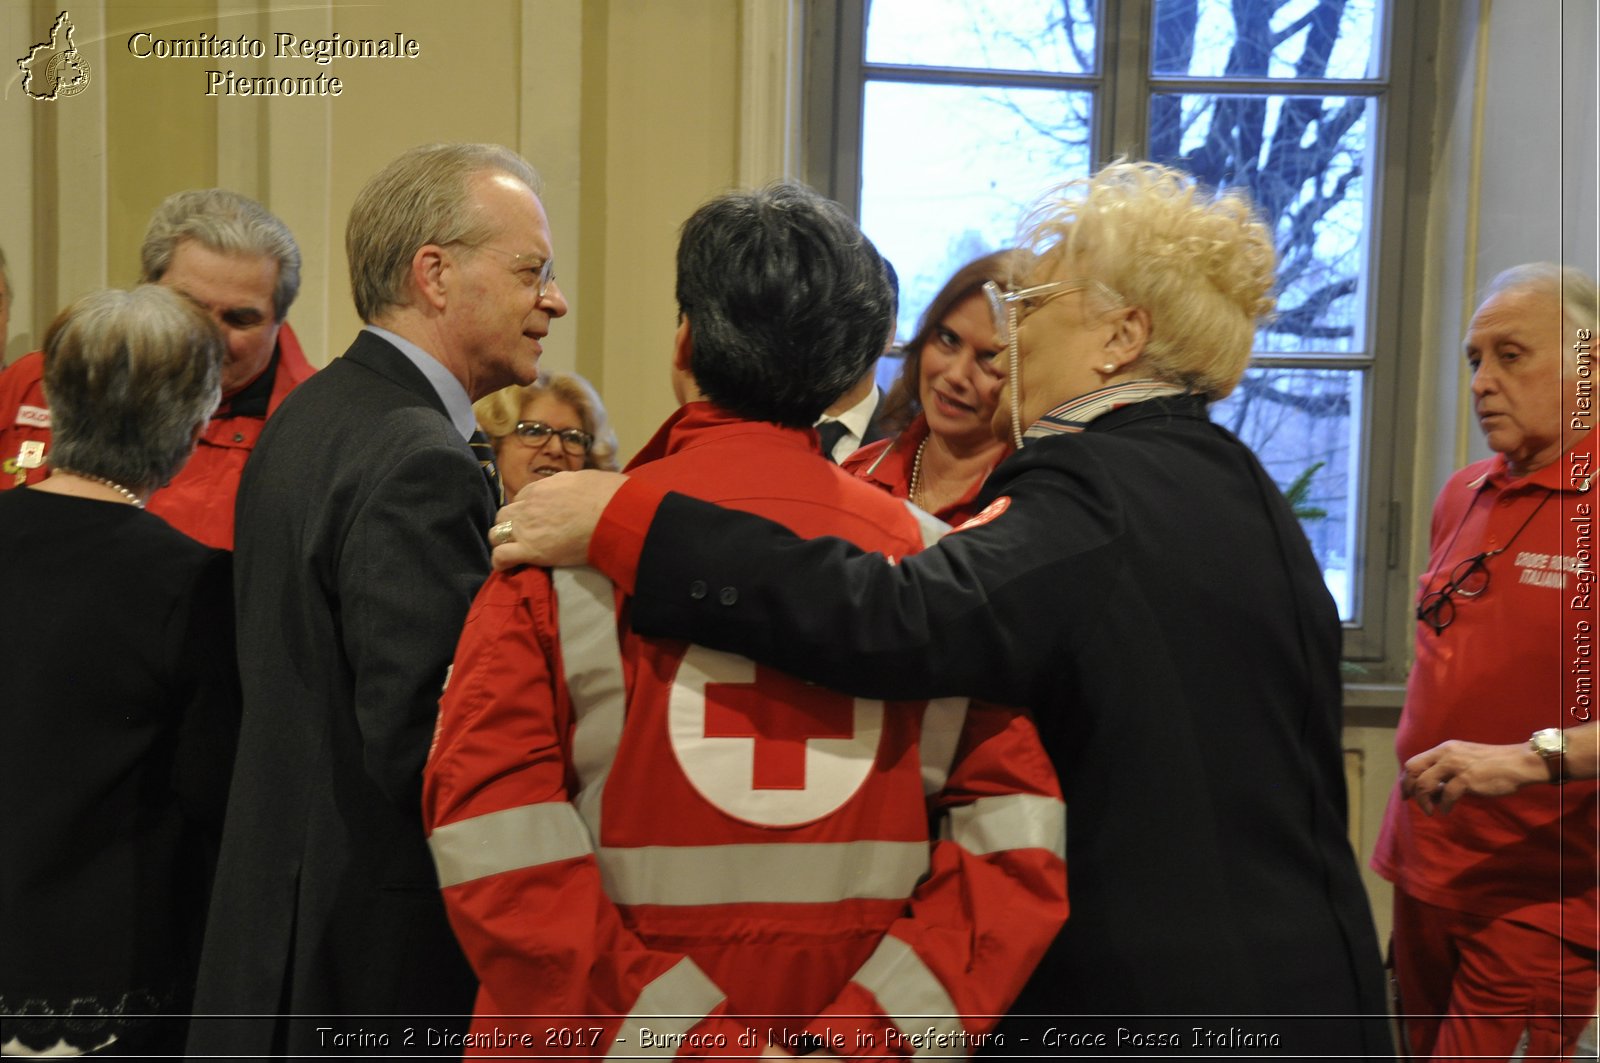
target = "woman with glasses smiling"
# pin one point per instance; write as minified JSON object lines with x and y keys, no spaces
{"x":1140,"y":583}
{"x":556,"y":424}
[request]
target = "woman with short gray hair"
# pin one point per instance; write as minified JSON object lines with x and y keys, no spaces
{"x":119,"y":715}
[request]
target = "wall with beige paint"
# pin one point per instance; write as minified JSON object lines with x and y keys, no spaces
{"x":635,"y":111}
{"x":629,"y":108}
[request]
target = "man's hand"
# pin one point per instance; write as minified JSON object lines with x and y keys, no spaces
{"x":1442,"y":775}
{"x":552,"y":520}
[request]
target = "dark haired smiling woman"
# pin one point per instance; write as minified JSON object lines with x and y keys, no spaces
{"x":946,"y":398}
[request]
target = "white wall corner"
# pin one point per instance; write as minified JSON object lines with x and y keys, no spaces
{"x":81,"y":222}
{"x":549,"y":135}
{"x":298,"y":141}
{"x":16,"y":187}
{"x":242,"y":132}
{"x":1452,"y":240}
{"x":770,"y":82}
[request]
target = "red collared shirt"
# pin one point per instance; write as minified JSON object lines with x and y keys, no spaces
{"x":888,"y":464}
{"x":1516,"y":658}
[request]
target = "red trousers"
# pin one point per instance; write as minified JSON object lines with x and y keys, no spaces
{"x":1472,"y":986}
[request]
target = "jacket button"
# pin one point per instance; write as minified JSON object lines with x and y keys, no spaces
{"x":697,"y":589}
{"x":728,"y":596}
{"x":238,"y":437}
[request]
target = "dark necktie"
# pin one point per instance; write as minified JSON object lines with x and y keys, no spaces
{"x":484,"y":451}
{"x":831,"y":432}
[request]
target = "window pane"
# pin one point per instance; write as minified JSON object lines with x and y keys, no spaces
{"x":947,"y":172}
{"x":1309,"y":423}
{"x":1053,"y":36}
{"x":1256,"y":38}
{"x":1306,"y":163}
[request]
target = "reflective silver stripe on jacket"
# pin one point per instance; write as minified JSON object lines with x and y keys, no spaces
{"x":506,"y":841}
{"x":672,"y":1004}
{"x":770,"y":873}
{"x":909,"y":993}
{"x":942,"y":722}
{"x":591,"y":661}
{"x":1015,"y":821}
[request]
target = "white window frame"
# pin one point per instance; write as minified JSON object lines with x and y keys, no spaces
{"x":1376,"y":642}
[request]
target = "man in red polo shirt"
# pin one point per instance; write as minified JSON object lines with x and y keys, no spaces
{"x":1495,"y":899}
{"x":239,"y":261}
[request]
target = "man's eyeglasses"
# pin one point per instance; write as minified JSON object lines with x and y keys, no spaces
{"x":534,"y":433}
{"x":1468,"y":579}
{"x":535,"y":272}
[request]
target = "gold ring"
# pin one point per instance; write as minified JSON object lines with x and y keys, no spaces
{"x":502,"y":533}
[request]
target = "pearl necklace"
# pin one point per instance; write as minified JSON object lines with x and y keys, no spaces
{"x":118,"y":488}
{"x":913,"y":492}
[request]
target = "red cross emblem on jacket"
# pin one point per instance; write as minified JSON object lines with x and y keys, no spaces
{"x":781,"y":713}
{"x":765,"y":747}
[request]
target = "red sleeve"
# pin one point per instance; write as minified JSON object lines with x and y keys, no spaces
{"x":20,"y":386}
{"x":619,"y":539}
{"x":516,"y":863}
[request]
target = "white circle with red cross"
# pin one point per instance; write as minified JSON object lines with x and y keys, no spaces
{"x":764,"y":746}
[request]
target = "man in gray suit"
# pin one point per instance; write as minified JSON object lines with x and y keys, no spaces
{"x":362,"y":518}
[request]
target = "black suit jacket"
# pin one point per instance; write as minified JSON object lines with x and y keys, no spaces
{"x":875,"y":428}
{"x":361,"y":531}
{"x":1149,"y":594}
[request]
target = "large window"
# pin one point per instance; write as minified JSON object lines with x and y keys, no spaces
{"x":941,"y":121}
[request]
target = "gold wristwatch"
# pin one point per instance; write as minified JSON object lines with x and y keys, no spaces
{"x":1551,"y":745}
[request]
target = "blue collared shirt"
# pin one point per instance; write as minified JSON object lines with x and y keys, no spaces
{"x":457,"y":403}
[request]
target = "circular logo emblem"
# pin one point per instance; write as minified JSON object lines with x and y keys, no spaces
{"x":764,"y":747}
{"x":68,"y":72}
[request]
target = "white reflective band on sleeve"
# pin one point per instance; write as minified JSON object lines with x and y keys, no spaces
{"x":591,"y":661}
{"x":506,"y":841}
{"x":774,"y":873}
{"x":909,"y":993}
{"x":932,"y":528}
{"x":672,"y":1004}
{"x":1016,"y":821}
{"x":942,"y":721}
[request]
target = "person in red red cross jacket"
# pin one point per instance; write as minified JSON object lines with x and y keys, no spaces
{"x":240,"y":262}
{"x":670,"y":848}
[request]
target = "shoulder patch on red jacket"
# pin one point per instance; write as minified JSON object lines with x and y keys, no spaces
{"x":988,"y":513}
{"x":33,"y":416}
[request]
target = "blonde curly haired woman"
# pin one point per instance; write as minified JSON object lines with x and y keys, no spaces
{"x":1139,"y":582}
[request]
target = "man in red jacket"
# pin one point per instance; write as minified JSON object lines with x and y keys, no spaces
{"x":655,"y":848}
{"x":239,"y":261}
